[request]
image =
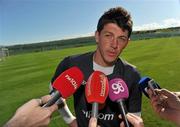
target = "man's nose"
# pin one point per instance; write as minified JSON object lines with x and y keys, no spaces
{"x":114,"y":43}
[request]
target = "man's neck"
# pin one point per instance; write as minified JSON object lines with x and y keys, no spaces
{"x":106,"y":70}
{"x":98,"y":60}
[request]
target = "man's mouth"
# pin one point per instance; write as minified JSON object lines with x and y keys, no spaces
{"x":112,"y":54}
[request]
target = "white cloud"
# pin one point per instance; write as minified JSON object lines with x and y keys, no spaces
{"x":78,"y":35}
{"x":163,"y":24}
{"x":172,"y":22}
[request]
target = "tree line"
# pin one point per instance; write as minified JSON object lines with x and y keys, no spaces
{"x":83,"y":41}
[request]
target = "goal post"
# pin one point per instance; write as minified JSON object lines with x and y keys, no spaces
{"x":4,"y":52}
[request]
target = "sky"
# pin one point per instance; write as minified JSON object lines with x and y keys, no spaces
{"x":32,"y":21}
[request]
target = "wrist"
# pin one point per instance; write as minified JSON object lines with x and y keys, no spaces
{"x":13,"y":122}
{"x":66,"y":114}
{"x":69,"y":120}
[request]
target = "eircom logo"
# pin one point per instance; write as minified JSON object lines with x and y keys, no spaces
{"x":101,"y":116}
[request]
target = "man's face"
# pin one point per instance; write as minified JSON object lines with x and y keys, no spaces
{"x":110,"y":43}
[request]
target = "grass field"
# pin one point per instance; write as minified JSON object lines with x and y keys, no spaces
{"x":27,"y":76}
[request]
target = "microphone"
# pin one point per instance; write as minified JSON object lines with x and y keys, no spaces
{"x":96,"y":91}
{"x":147,"y":83}
{"x":66,"y":84}
{"x":118,"y":92}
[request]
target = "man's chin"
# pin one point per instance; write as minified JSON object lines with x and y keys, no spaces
{"x":110,"y":62}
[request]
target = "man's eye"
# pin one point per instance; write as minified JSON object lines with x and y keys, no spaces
{"x":121,"y":39}
{"x":107,"y":35}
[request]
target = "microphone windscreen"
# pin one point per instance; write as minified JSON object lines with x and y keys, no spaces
{"x":97,"y":87}
{"x":68,"y":81}
{"x":145,"y":83}
{"x":118,"y":89}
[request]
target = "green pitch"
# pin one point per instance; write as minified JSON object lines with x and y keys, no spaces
{"x":27,"y":76}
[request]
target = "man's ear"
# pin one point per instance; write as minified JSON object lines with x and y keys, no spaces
{"x":97,"y":36}
{"x":128,"y":41}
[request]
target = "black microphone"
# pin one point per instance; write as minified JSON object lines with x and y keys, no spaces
{"x":146,"y":83}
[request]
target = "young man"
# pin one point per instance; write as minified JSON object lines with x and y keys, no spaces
{"x":112,"y":36}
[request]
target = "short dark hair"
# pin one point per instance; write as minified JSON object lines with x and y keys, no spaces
{"x":117,"y":15}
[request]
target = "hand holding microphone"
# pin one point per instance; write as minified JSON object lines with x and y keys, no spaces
{"x":165,"y":103}
{"x":146,"y":83}
{"x":96,"y":92}
{"x":135,"y":120}
{"x":32,"y":114}
{"x":66,"y":84}
{"x":118,"y":92}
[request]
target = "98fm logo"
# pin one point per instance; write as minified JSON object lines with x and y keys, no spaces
{"x":118,"y":87}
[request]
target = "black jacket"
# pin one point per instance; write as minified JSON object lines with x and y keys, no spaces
{"x":108,"y":114}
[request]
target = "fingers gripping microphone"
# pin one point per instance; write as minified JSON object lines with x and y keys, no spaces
{"x":148,"y":83}
{"x":118,"y":91}
{"x":66,"y":84}
{"x":96,"y":90}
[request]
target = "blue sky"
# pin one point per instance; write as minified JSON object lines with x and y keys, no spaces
{"x":30,"y":21}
